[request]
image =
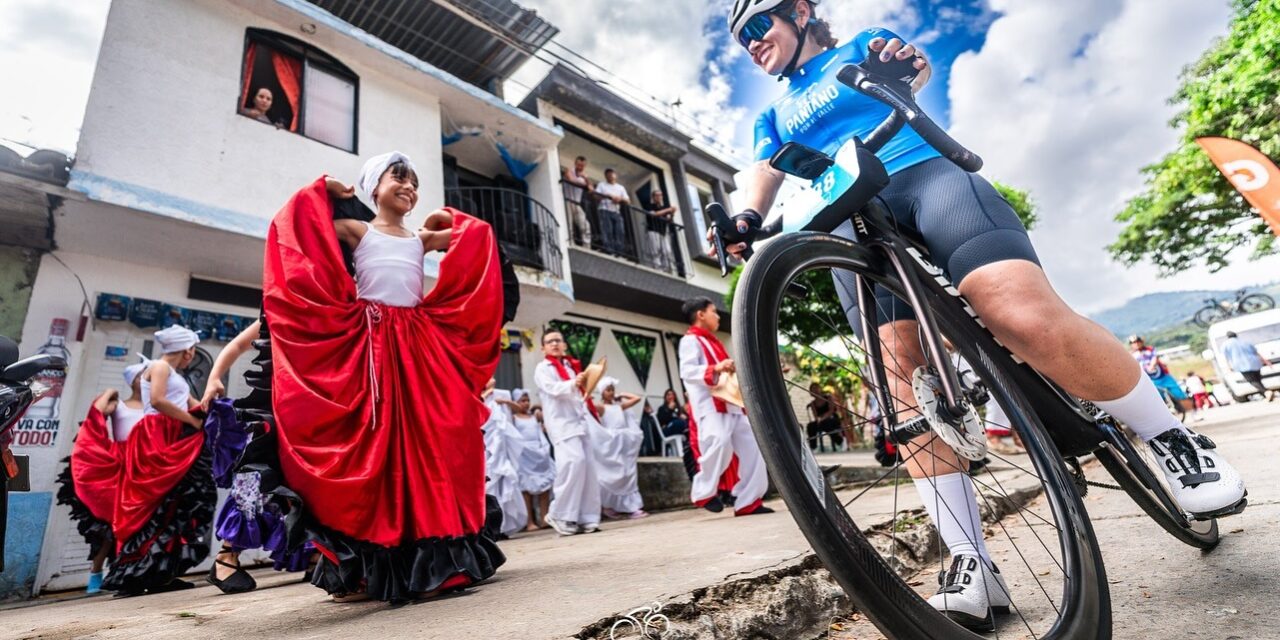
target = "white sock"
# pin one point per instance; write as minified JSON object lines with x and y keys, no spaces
{"x":1142,"y":410}
{"x":953,"y":506}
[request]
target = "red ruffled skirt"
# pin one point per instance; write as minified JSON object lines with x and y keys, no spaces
{"x":151,"y":498}
{"x":378,"y":409}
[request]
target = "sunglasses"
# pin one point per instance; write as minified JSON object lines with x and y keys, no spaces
{"x":755,"y":28}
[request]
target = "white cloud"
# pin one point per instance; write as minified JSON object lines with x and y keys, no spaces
{"x":47,"y":54}
{"x":1069,"y":101}
{"x":659,"y":49}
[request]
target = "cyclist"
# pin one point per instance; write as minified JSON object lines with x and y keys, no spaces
{"x":1158,"y":371}
{"x":973,"y":235}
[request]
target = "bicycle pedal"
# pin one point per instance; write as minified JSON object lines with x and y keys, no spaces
{"x":1224,"y":512}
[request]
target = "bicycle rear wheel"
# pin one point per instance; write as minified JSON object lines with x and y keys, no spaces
{"x":1045,"y":545}
{"x":1205,"y":317}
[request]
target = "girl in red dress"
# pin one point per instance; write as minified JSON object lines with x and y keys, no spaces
{"x":376,"y":386}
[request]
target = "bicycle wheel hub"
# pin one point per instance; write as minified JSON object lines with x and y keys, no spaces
{"x":966,"y":437}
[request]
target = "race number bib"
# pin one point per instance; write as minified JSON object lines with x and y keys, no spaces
{"x":824,"y":191}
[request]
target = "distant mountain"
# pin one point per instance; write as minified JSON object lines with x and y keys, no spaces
{"x":1157,"y":312}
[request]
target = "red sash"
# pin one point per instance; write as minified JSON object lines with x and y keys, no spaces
{"x":714,"y":352}
{"x":564,"y":375}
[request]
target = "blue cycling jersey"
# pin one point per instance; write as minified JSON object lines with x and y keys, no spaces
{"x":821,"y":112}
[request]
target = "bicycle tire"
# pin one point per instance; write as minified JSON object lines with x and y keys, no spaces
{"x":1133,"y":472}
{"x":1255,"y":302}
{"x":1206,"y":316}
{"x":873,"y":587}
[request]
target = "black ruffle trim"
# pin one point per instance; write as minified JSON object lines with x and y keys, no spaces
{"x":94,"y":531}
{"x":174,"y":540}
{"x":397,"y":574}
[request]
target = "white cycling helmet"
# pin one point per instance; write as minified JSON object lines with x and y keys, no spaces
{"x":745,"y":10}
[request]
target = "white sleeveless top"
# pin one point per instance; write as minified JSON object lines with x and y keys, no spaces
{"x":389,"y":268}
{"x":122,"y":421}
{"x":176,"y":391}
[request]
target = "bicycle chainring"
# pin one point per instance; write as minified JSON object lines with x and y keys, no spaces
{"x":967,"y":437}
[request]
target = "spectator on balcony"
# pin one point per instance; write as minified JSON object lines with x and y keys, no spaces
{"x":612,"y":227}
{"x":658,"y":224}
{"x":262,"y":101}
{"x":576,"y":186}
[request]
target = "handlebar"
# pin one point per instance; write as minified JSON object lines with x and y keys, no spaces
{"x":898,"y":96}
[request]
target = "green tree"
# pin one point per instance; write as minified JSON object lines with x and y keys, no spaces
{"x":817,"y":316}
{"x":1188,"y":213}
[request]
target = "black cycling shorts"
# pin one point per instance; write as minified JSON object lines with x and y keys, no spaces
{"x":964,"y":221}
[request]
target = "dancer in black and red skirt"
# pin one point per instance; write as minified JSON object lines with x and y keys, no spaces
{"x":153,"y":487}
{"x":376,"y":386}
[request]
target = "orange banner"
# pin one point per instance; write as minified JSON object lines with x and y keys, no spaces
{"x":1254,"y":175}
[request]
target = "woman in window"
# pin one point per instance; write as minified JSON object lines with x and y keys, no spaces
{"x":376,"y":385}
{"x":262,"y":101}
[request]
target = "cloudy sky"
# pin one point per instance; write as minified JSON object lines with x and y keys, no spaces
{"x":1064,"y":99}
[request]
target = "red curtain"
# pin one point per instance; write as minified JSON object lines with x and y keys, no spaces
{"x":249,"y":55}
{"x":289,"y":74}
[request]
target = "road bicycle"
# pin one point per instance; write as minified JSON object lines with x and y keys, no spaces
{"x":1215,"y":310}
{"x":1046,"y":545}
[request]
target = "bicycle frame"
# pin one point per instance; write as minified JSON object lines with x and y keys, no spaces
{"x":1074,"y":431}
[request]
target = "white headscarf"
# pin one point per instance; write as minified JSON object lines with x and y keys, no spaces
{"x":608,"y":381}
{"x":518,"y":394}
{"x":372,"y":172}
{"x":176,"y":338}
{"x":132,"y":371}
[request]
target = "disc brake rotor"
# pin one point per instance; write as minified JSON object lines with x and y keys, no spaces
{"x":967,"y":437}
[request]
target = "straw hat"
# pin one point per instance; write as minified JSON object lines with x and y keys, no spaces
{"x":594,"y":373}
{"x":727,"y":389}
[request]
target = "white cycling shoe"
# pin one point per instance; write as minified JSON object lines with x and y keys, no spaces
{"x":971,"y":593}
{"x":1203,"y":484}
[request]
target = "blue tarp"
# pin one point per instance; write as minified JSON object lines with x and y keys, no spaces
{"x":518,"y":168}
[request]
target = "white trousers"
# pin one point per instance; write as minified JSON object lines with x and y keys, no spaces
{"x":720,"y":436}
{"x":576,"y":492}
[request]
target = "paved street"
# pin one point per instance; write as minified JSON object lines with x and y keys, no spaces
{"x":555,"y":587}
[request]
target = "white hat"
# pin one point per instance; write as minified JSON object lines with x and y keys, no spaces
{"x":176,"y":338}
{"x":372,"y":172}
{"x":132,"y":371}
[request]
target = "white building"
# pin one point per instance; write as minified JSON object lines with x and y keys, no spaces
{"x":174,"y":184}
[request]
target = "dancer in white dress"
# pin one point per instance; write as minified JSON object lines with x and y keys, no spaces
{"x":616,"y":440}
{"x":537,"y":469}
{"x":502,"y":447}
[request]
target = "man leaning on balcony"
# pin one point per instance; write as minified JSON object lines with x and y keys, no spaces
{"x":658,"y":224}
{"x":576,"y":184}
{"x":612,"y":224}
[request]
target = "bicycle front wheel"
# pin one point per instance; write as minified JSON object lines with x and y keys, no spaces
{"x":1256,"y":302}
{"x":869,"y":537}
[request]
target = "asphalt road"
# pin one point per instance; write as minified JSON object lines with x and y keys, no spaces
{"x":1161,"y":588}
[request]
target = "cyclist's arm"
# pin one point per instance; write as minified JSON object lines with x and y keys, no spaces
{"x":763,"y":186}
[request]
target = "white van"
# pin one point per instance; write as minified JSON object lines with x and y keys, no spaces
{"x":1262,"y":330}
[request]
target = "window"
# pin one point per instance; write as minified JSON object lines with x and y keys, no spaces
{"x":291,"y":85}
{"x":699,"y":198}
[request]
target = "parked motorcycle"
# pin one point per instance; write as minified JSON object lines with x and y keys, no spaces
{"x":19,"y":389}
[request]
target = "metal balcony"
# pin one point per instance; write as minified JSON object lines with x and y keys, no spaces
{"x":526,"y":229}
{"x":623,"y":231}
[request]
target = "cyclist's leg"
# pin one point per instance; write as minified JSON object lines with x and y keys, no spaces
{"x":976,"y":237}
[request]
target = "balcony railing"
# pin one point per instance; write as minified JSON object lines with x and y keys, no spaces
{"x":526,"y":229}
{"x":627,"y":232}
